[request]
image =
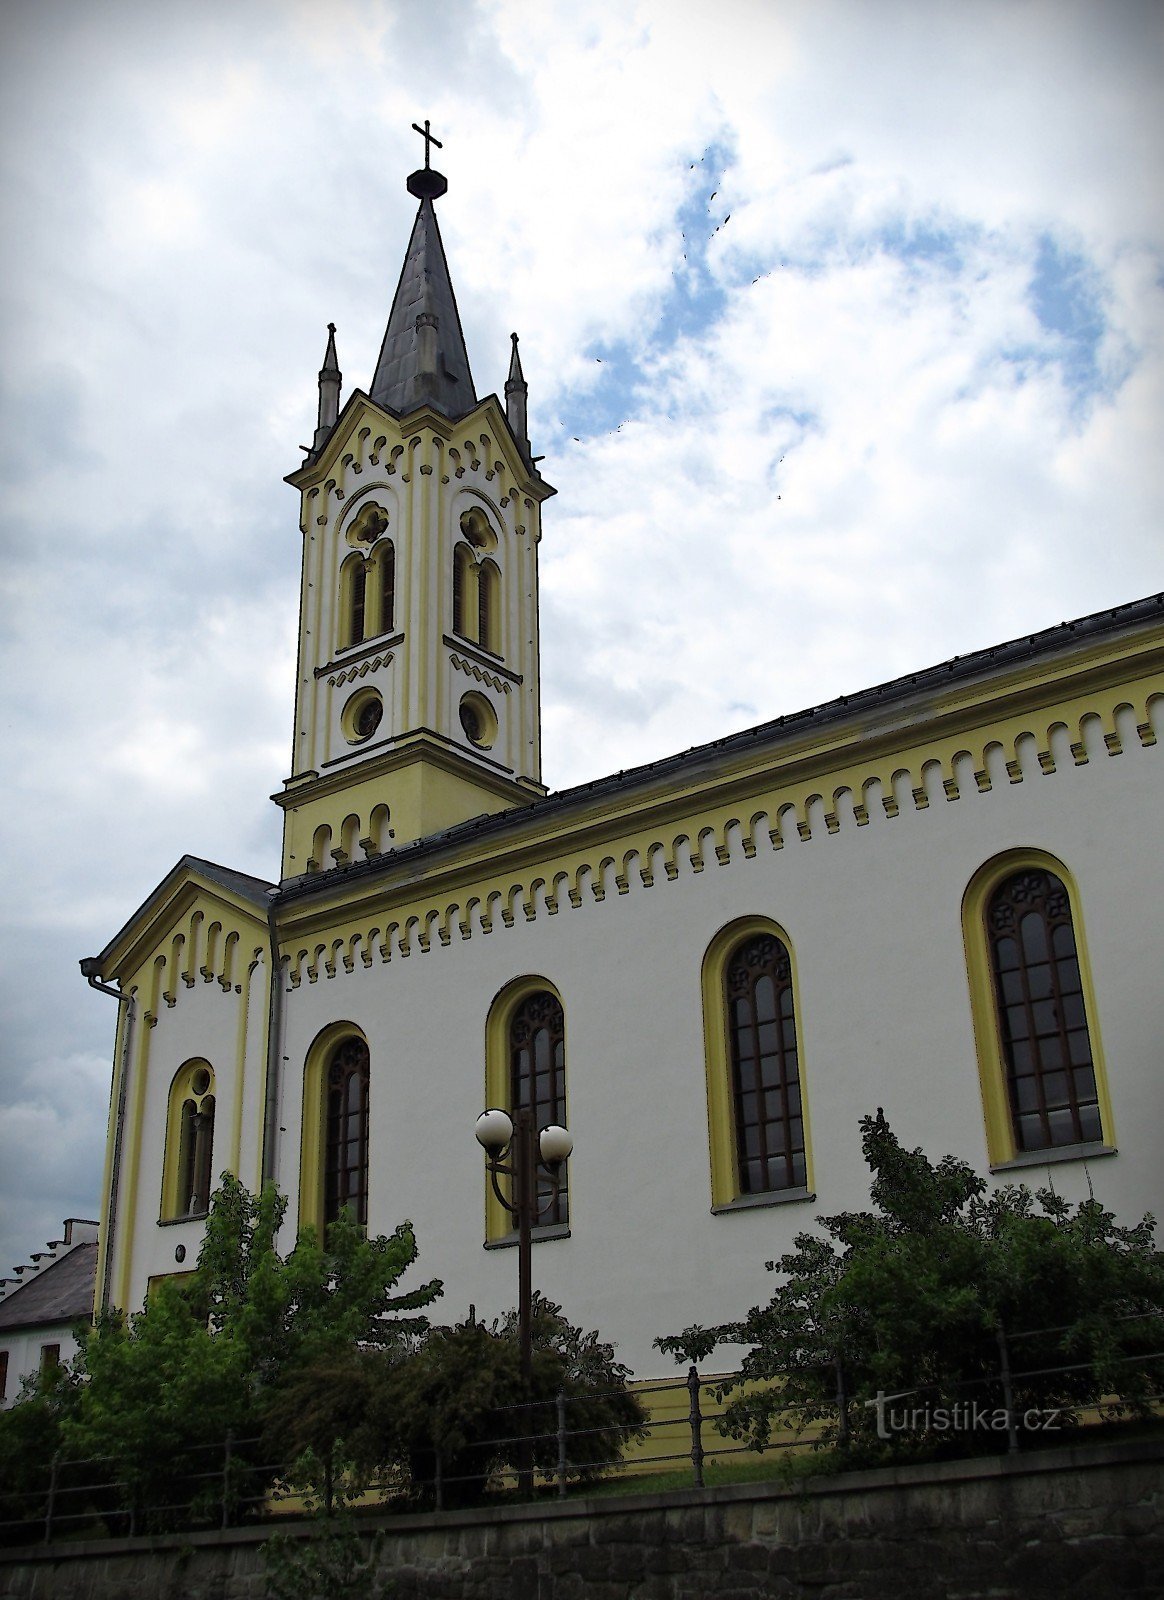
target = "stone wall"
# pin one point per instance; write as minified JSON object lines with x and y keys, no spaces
{"x":1086,"y":1522}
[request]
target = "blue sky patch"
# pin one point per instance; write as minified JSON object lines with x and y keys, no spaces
{"x":692,"y":305}
{"x":1065,"y":296}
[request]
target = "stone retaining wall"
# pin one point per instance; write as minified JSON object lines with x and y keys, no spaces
{"x":1086,"y":1522}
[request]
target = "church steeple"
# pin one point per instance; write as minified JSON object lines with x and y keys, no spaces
{"x":418,"y":699}
{"x":423,"y":360}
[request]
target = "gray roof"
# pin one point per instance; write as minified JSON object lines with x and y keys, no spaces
{"x":241,"y":883}
{"x":62,"y":1292}
{"x":258,"y":892}
{"x":424,"y":287}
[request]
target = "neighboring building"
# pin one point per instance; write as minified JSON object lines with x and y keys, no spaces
{"x":941,"y":895}
{"x":42,"y":1304}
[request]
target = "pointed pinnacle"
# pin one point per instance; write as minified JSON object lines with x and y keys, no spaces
{"x":330,"y":359}
{"x":516,"y":377}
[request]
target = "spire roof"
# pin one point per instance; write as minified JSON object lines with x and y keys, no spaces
{"x":423,"y":359}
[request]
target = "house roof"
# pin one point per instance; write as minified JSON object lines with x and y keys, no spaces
{"x":62,"y":1292}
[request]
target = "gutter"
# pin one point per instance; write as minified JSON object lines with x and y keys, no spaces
{"x":89,"y":970}
{"x":274,"y":1049}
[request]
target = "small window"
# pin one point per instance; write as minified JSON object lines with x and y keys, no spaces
{"x":345,"y":1175}
{"x":3,"y":1375}
{"x":1042,"y":1018}
{"x":50,"y":1359}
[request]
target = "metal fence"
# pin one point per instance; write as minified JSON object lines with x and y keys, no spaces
{"x":226,"y":1483}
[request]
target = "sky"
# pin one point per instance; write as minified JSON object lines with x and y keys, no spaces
{"x":843,"y":323}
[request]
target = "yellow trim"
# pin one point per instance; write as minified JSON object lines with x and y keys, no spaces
{"x":725,"y":1181}
{"x":181,"y":1090}
{"x":498,"y":1223}
{"x":136,"y":1130}
{"x":109,"y":1224}
{"x":1000,"y":1139}
{"x":753,"y":802}
{"x":240,"y":1056}
{"x":311,"y":1125}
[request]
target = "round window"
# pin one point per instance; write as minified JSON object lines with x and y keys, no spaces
{"x":362,"y":715}
{"x":368,"y":718}
{"x":478,"y":721}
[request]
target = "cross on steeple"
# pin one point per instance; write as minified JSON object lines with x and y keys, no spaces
{"x":429,"y":138}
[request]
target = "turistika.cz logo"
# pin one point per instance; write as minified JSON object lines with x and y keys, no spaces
{"x":964,"y":1416}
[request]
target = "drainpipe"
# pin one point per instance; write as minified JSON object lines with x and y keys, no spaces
{"x":274,"y":1049}
{"x":90,"y":970}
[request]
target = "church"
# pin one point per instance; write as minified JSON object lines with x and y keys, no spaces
{"x":941,"y":895}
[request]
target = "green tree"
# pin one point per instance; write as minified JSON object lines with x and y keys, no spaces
{"x":458,"y":1392}
{"x":204,"y":1358}
{"x":911,"y":1299}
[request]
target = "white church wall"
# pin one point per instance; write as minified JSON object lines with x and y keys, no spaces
{"x":873,"y":915}
{"x":206,"y":1024}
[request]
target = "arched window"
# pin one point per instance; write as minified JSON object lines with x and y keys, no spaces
{"x":488,"y":606}
{"x":1040,"y":1059}
{"x":384,"y":559}
{"x":766,"y":1110}
{"x":345,"y":1164}
{"x":525,"y":1066}
{"x":537,"y":1080}
{"x":358,"y":602}
{"x":188,"y":1167}
{"x":464,"y":592}
{"x":1042,"y":1016}
{"x":353,"y":601}
{"x":757,"y":1117}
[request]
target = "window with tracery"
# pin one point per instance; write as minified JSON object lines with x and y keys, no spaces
{"x":188,"y":1176}
{"x":765,"y":1080}
{"x":537,"y":1078}
{"x":1042,"y":1018}
{"x":345,"y":1166}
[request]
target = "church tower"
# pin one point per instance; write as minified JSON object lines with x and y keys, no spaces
{"x":417,"y":699}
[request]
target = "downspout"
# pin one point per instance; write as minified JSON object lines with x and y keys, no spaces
{"x":89,"y":970}
{"x":274,"y":1051}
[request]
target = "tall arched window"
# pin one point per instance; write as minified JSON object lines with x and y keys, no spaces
{"x":188,"y":1168}
{"x":525,"y":1065}
{"x":464,"y":591}
{"x":384,"y":558}
{"x":1041,"y":1013}
{"x":757,"y":1114}
{"x":488,"y":606}
{"x":537,"y":1079}
{"x":358,"y":603}
{"x":765,"y":1077}
{"x":345,"y":1163}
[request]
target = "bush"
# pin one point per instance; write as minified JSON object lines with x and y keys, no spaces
{"x":910,"y":1299}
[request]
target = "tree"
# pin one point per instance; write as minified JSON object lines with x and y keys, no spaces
{"x":204,"y":1359}
{"x":912,"y":1299}
{"x":459,"y":1392}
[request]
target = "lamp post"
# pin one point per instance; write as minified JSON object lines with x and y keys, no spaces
{"x":515,"y":1150}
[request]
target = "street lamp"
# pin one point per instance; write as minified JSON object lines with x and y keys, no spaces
{"x":515,"y":1151}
